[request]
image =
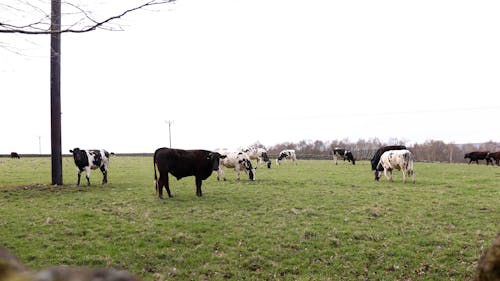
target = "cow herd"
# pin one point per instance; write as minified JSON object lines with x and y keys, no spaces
{"x":483,"y":155}
{"x":202,"y":163}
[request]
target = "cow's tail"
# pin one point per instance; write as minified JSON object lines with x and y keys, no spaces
{"x":154,"y":168}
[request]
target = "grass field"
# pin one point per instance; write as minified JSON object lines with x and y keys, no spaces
{"x":313,"y":221}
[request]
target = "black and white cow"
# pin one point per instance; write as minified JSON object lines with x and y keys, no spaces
{"x":396,"y":159}
{"x":258,"y":153}
{"x":183,"y":163}
{"x":344,"y":154}
{"x":240,"y":161}
{"x":86,"y":160}
{"x":376,"y":157}
{"x":287,"y":154}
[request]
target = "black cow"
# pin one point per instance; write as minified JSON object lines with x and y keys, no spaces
{"x":183,"y":163}
{"x":494,"y":156}
{"x":91,"y":159}
{"x":15,"y":155}
{"x":344,"y":154}
{"x":478,"y":155}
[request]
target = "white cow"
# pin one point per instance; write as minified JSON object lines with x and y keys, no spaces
{"x":237,"y":160}
{"x":259,"y":154}
{"x":287,"y":154}
{"x":396,"y":159}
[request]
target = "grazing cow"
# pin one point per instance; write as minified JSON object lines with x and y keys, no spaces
{"x":344,"y":154}
{"x":91,"y":159}
{"x":477,"y":155}
{"x":258,"y":153}
{"x":287,"y":154}
{"x":237,"y":160}
{"x":15,"y":155}
{"x":183,"y":163}
{"x":376,"y":157}
{"x":396,"y":159}
{"x":494,"y":156}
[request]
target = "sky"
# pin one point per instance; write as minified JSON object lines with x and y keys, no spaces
{"x":229,"y":73}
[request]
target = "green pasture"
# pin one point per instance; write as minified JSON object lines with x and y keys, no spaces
{"x":312,"y":221}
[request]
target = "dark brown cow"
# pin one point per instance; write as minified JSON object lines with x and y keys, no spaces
{"x":494,"y":156}
{"x":183,"y":163}
{"x":14,"y":155}
{"x":476,"y":156}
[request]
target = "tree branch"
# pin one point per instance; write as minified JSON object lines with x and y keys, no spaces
{"x":36,"y":29}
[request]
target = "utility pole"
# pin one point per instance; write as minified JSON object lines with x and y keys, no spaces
{"x":40,"y":144}
{"x":55,"y":91}
{"x":169,"y":122}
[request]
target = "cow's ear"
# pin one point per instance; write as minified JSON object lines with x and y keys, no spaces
{"x":223,"y":156}
{"x":71,"y":151}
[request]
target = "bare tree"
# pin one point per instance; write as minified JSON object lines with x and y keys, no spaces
{"x":38,"y":21}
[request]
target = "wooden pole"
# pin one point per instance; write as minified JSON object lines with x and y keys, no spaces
{"x":55,"y":92}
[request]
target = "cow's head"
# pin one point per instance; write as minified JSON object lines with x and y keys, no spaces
{"x":78,"y":154}
{"x":378,"y":171}
{"x":350,"y":157}
{"x":214,"y":158}
{"x":264,"y":156}
{"x":245,"y":162}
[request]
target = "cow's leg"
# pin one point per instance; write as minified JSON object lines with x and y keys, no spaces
{"x":198,"y":186}
{"x":79,"y":176}
{"x":163,"y":182}
{"x":220,"y":173}
{"x":87,"y":175}
{"x":159,"y":186}
{"x":388,"y":174}
{"x":167,"y":186}
{"x":104,"y":171}
{"x":237,"y":169}
{"x":404,"y":175}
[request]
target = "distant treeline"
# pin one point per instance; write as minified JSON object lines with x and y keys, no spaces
{"x":429,"y":151}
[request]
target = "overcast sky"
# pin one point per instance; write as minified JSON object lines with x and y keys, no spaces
{"x":233,"y":72}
